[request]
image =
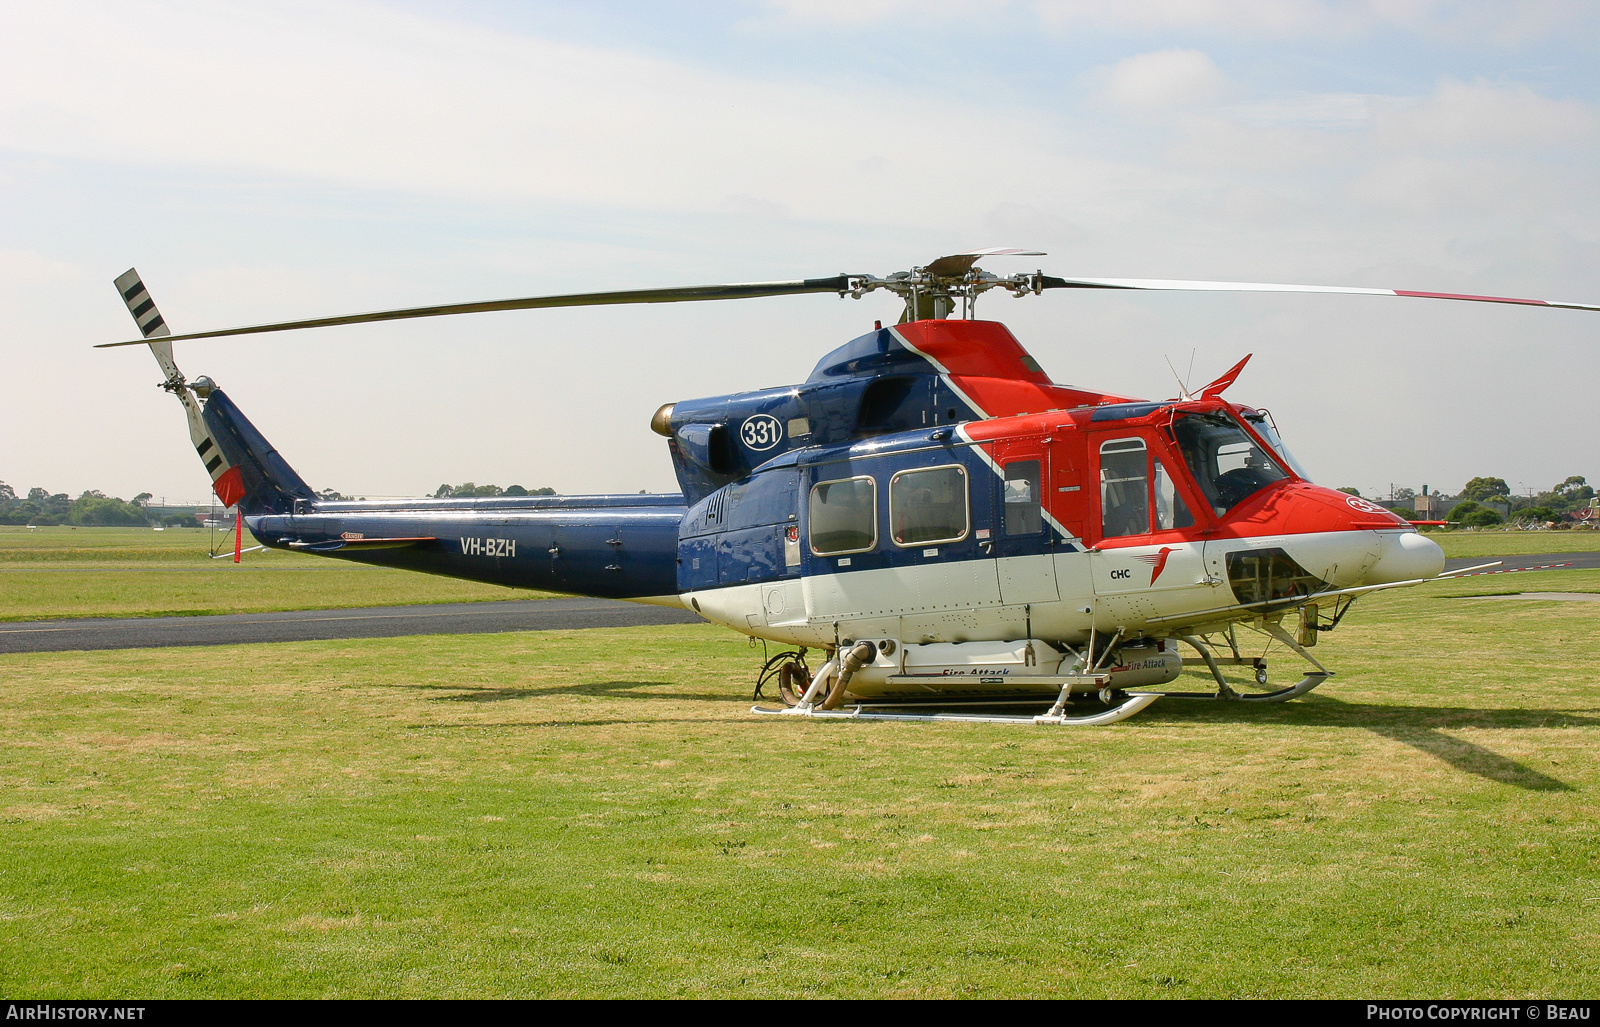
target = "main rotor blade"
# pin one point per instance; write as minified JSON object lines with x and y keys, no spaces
{"x":748,"y":290}
{"x":1175,"y":286}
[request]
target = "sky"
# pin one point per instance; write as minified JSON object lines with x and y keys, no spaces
{"x":269,"y":161}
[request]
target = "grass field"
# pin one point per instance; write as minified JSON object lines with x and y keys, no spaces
{"x":1514,"y":543}
{"x":596,"y":813}
{"x":135,"y":572}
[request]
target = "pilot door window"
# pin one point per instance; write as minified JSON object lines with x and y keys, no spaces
{"x":1137,"y":493}
{"x":1021,"y":514}
{"x":1124,"y":489}
{"x":843,"y":516}
{"x":928,"y":506}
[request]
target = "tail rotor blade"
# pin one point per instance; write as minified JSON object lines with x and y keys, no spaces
{"x":225,"y":478}
{"x":149,"y":320}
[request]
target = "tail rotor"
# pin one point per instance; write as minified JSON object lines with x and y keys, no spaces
{"x":226,"y":481}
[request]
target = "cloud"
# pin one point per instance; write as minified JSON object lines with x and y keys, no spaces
{"x":304,"y":158}
{"x":30,"y":269}
{"x":1271,"y":17}
{"x":1460,"y":144}
{"x":1502,"y":22}
{"x":1163,"y":80}
{"x":851,"y":13}
{"x":357,"y":95}
{"x":1479,"y":115}
{"x":1306,"y":110}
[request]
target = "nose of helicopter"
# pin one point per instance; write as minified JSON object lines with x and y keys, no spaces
{"x":1406,"y":557}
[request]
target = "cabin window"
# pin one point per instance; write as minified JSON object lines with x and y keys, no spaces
{"x":1226,"y":464}
{"x":1171,"y":510}
{"x":844,"y":516}
{"x":928,"y":505}
{"x":1124,"y":489}
{"x":1021,"y":513}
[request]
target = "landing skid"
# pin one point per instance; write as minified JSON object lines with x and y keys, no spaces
{"x":1133,"y":704}
{"x":1295,"y":691}
{"x":1122,"y":704}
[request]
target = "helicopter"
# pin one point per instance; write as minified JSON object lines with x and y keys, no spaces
{"x":959,"y":537}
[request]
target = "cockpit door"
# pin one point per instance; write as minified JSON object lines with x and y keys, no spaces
{"x":1022,"y":543}
{"x":1148,"y":546}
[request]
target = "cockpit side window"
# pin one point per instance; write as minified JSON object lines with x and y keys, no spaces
{"x":1124,"y":489}
{"x":1226,"y":463}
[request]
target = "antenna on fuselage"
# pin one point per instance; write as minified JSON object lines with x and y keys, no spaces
{"x":1183,"y":386}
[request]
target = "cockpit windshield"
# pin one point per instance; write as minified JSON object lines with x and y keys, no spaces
{"x":1262,"y":423}
{"x":1226,"y":463}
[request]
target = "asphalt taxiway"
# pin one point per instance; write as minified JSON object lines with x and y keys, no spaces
{"x":309,"y":625}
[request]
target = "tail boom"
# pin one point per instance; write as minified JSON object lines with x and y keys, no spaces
{"x":615,"y":547}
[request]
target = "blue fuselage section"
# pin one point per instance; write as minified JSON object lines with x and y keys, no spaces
{"x":746,"y":463}
{"x":620,"y":547}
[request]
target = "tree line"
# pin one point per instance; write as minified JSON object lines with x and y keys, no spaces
{"x":468,"y":490}
{"x":1555,"y":504}
{"x":42,"y":507}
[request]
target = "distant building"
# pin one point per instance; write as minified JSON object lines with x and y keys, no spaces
{"x":1433,"y":507}
{"x":160,"y":513}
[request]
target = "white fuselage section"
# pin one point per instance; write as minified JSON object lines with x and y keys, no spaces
{"x":1143,"y":590}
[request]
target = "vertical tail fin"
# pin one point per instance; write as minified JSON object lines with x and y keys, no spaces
{"x":268,"y":483}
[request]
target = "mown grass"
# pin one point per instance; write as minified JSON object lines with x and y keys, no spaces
{"x":134,"y":572}
{"x":1515,"y":543}
{"x":596,"y":813}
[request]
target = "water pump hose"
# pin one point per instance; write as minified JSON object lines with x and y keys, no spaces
{"x":861,"y":654}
